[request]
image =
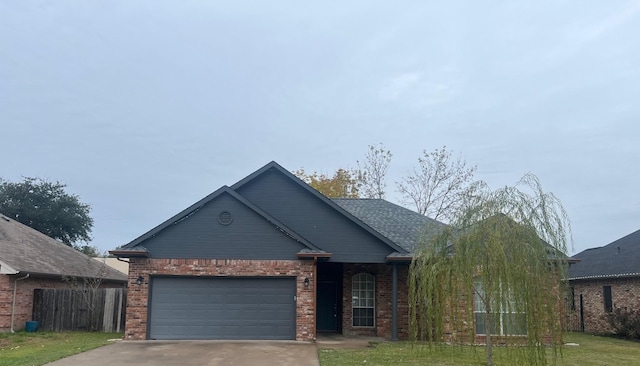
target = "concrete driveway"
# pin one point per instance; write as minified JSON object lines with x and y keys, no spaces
{"x":158,"y":353}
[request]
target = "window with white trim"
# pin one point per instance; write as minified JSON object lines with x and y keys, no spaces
{"x":363,"y":300}
{"x":505,"y":320}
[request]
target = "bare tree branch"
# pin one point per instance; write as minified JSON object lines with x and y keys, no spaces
{"x":372,"y":172}
{"x":439,"y":184}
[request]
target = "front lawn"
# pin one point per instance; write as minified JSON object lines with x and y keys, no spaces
{"x":591,"y":350}
{"x":38,"y":348}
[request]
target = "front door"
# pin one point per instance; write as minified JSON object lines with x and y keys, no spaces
{"x":327,"y":305}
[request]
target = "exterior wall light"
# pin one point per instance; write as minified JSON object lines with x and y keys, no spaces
{"x":139,"y":280}
{"x":306,"y":282}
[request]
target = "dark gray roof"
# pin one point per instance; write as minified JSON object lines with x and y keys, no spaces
{"x":404,"y":227}
{"x":620,"y":258}
{"x":25,"y":250}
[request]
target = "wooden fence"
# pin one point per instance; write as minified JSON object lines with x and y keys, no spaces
{"x":96,"y":310}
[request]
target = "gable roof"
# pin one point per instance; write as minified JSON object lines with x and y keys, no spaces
{"x":405,"y":227}
{"x":26,"y":250}
{"x":184,"y":214}
{"x":620,"y":258}
{"x":338,"y":208}
{"x":136,"y":247}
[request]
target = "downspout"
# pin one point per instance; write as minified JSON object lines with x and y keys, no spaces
{"x":394,"y":303}
{"x":315,"y":300}
{"x":13,"y":304}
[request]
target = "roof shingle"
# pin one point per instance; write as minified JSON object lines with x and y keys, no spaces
{"x":620,"y":258}
{"x":404,"y":227}
{"x":30,"y":251}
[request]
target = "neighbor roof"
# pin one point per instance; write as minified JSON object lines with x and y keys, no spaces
{"x":25,"y":250}
{"x":620,"y":258}
{"x":404,"y":227}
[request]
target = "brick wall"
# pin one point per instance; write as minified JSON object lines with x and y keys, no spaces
{"x":383,"y":300}
{"x":625,"y":293}
{"x":24,"y":298}
{"x":137,"y":298}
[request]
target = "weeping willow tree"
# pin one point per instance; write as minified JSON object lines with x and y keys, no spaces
{"x":494,"y":276}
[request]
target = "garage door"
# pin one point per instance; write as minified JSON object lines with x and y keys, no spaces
{"x":222,"y":308}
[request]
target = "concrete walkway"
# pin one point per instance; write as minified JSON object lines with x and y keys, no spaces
{"x":338,"y":341}
{"x":234,"y":353}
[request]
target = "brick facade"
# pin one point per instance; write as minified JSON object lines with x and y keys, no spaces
{"x":137,"y":299}
{"x":625,"y":293}
{"x":383,"y":300}
{"x":24,"y":298}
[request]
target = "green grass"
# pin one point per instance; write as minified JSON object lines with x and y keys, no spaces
{"x":592,"y":350}
{"x":26,"y":349}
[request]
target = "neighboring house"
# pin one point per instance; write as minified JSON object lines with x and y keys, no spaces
{"x":272,"y":258}
{"x":31,"y":260}
{"x":114,"y":263}
{"x":605,"y":278}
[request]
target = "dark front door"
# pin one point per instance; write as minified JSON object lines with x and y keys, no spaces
{"x":327,"y":303}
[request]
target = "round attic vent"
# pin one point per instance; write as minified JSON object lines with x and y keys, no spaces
{"x":225,"y":218}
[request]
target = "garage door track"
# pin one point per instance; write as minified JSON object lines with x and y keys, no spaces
{"x":158,"y":353}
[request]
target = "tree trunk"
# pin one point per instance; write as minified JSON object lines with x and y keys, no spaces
{"x":488,"y":325}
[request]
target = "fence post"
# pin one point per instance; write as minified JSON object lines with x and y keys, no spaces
{"x":72,"y":310}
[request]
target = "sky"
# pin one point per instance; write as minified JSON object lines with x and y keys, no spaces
{"x":144,"y":107}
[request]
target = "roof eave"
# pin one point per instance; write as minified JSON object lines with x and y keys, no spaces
{"x":310,"y":255}
{"x":66,"y":276}
{"x":399,"y":258}
{"x":601,"y":277}
{"x":130,"y":253}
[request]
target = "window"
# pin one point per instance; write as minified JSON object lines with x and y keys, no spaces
{"x":504,"y":319}
{"x":608,"y":300}
{"x":572,"y":298}
{"x":363,"y":300}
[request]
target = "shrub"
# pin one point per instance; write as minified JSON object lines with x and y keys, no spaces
{"x":625,"y":323}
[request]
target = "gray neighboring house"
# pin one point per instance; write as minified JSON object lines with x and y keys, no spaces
{"x":30,"y":260}
{"x":602,"y":280}
{"x":272,"y":258}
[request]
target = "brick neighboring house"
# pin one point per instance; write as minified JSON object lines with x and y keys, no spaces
{"x":605,"y":278}
{"x":31,"y":260}
{"x":272,"y":258}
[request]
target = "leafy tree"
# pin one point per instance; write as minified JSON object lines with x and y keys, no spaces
{"x":90,"y":250}
{"x":343,"y":183}
{"x":499,"y":268}
{"x":439,"y":185}
{"x":373,"y":171}
{"x":46,"y":207}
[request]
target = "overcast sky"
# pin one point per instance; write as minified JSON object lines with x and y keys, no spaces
{"x":144,"y":107}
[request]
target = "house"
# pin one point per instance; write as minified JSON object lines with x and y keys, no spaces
{"x":272,"y":258}
{"x":114,"y":263}
{"x":605,"y":278}
{"x":30,"y":260}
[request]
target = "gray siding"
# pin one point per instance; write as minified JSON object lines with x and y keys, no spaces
{"x":314,"y":219}
{"x":200,"y":235}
